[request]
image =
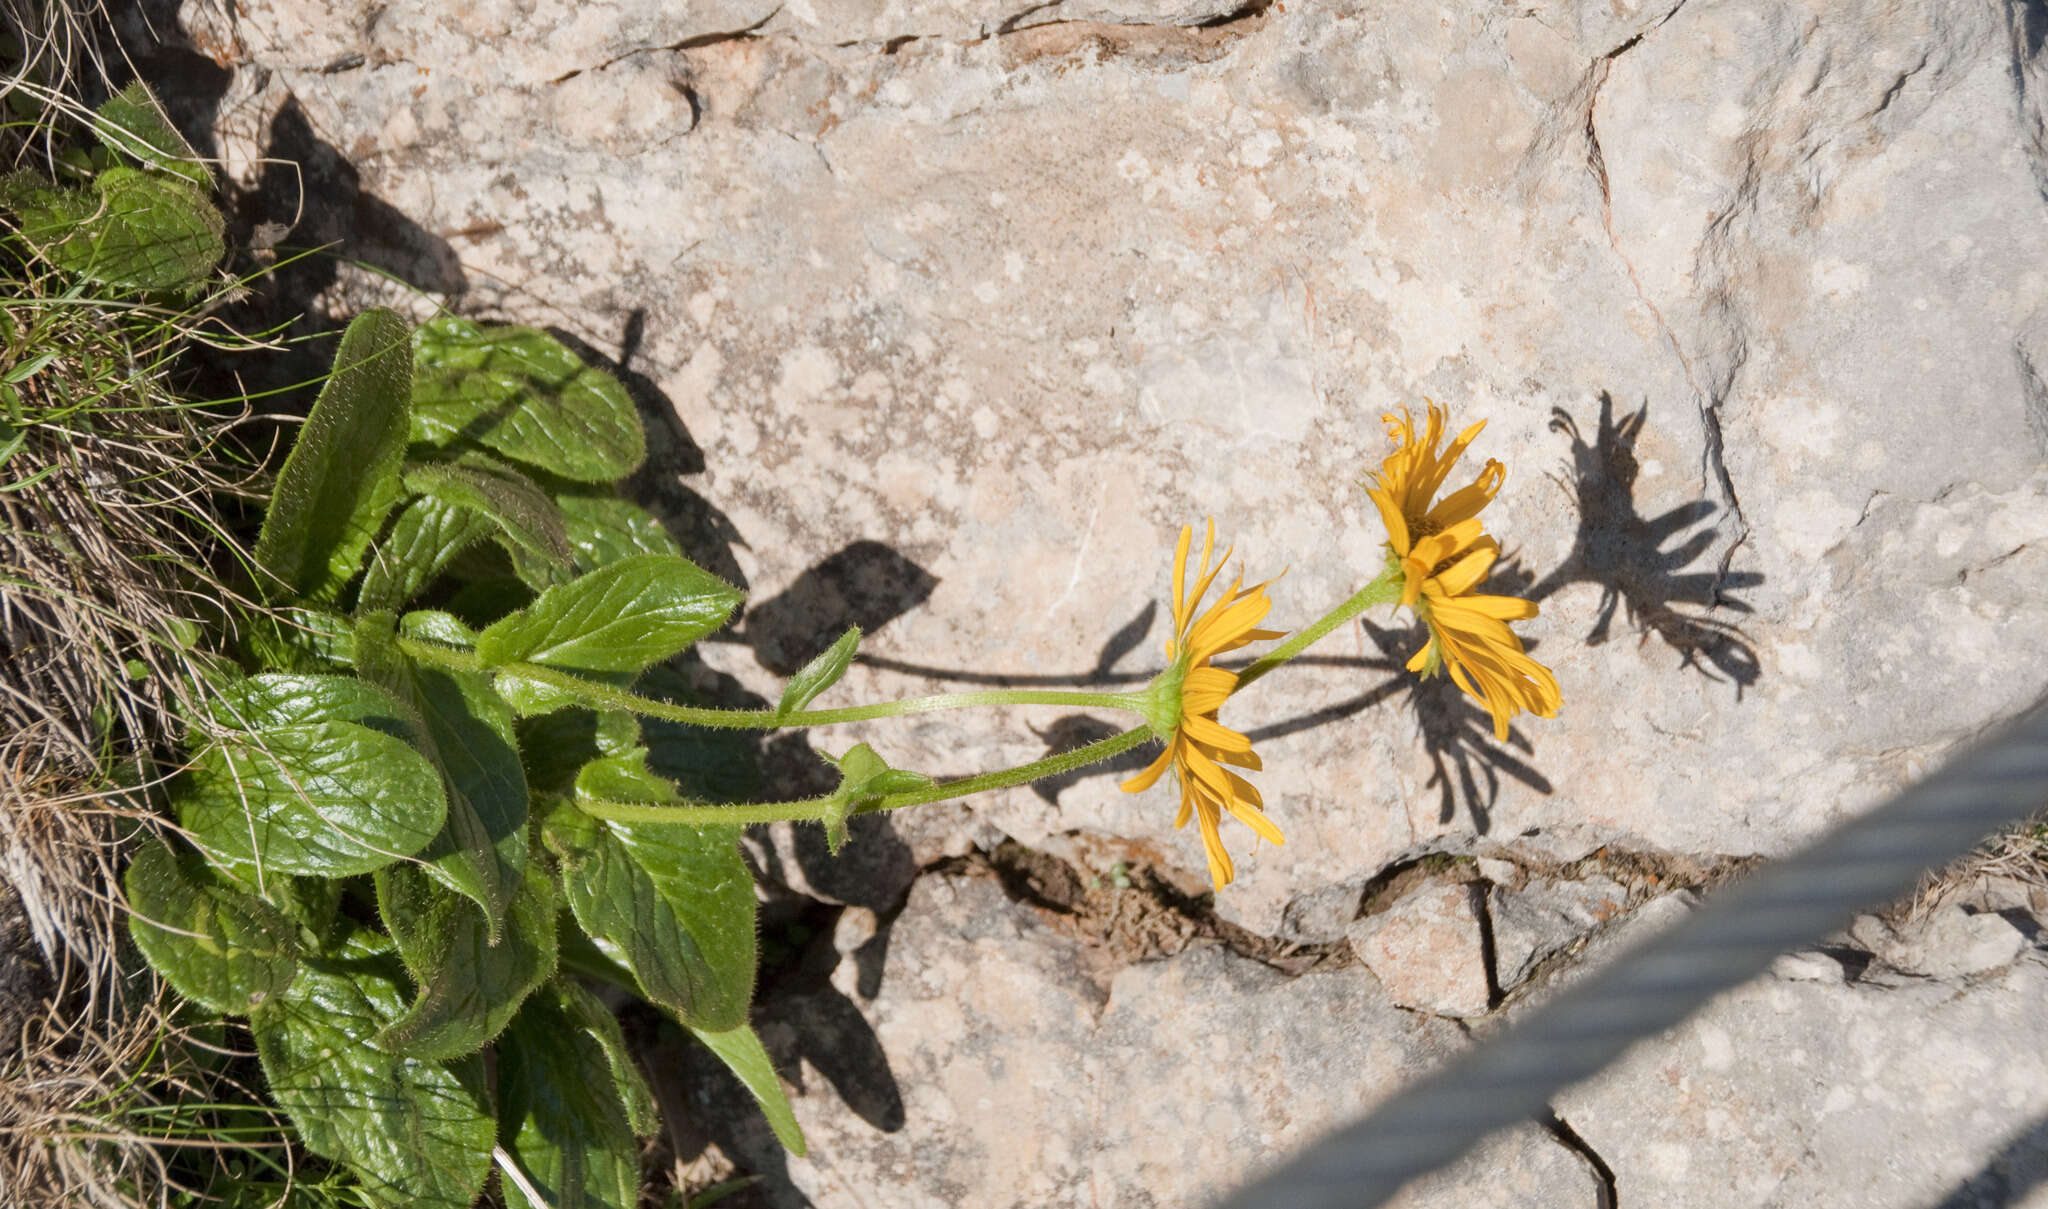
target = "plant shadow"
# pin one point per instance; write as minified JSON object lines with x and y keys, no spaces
{"x":1645,"y":566}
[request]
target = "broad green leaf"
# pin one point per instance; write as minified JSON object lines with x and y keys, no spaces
{"x":618,"y":618}
{"x":523,"y":393}
{"x":671,"y":902}
{"x":132,"y":229}
{"x":559,"y":1117}
{"x":426,"y":536}
{"x":467,"y":734}
{"x":469,"y":985}
{"x":508,"y":499}
{"x":741,"y":1051}
{"x":216,"y":946}
{"x":820,"y":673}
{"x":132,"y":123}
{"x":341,"y":477}
{"x":329,"y":799}
{"x":417,"y":1134}
{"x":270,"y":700}
{"x":605,"y":529}
{"x":595,"y":1019}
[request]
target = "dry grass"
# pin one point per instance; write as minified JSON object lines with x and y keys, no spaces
{"x":111,"y":549}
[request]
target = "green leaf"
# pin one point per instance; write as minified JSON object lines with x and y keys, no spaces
{"x":502,"y":495}
{"x":132,"y":123}
{"x":426,"y":536}
{"x":133,"y":229}
{"x":596,"y":1020}
{"x":299,"y":640}
{"x":671,"y":902}
{"x":559,"y":1117}
{"x":418,"y":1134}
{"x":523,"y":393}
{"x":216,"y":946}
{"x":618,"y":618}
{"x":271,"y":700}
{"x":465,"y":730}
{"x":606,"y":529}
{"x":741,"y":1051}
{"x":863,"y":777}
{"x":470,"y":985}
{"x":330,"y":799}
{"x":341,"y":477}
{"x":819,"y":674}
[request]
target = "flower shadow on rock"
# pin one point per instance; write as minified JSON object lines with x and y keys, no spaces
{"x":1456,"y":732}
{"x":1634,"y":563}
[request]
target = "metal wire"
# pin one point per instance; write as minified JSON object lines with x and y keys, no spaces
{"x":1872,"y":859}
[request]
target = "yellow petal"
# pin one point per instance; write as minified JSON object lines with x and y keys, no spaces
{"x":1153,"y":771}
{"x":1212,"y":735}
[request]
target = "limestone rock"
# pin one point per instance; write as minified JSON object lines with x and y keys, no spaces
{"x":1833,"y":1096}
{"x":1014,"y":306}
{"x":960,"y":1057}
{"x":1949,"y":942}
{"x":1542,"y":917}
{"x":1428,"y":950}
{"x":1523,"y":1167}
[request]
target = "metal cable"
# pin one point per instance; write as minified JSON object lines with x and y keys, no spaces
{"x":1871,"y":859}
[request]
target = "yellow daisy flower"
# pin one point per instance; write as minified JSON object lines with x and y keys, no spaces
{"x":1444,"y":555}
{"x":1199,"y":746}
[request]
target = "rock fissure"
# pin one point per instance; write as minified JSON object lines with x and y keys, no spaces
{"x":1608,"y":1196}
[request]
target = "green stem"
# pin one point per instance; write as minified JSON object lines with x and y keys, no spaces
{"x":605,"y":696}
{"x":1386,"y":589}
{"x":816,"y":810}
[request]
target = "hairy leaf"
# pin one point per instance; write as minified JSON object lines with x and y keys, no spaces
{"x":672,"y":903}
{"x":132,"y":123}
{"x":508,"y":499}
{"x":466,"y":732}
{"x":132,"y":229}
{"x":469,"y":985}
{"x":341,"y":477}
{"x":560,"y":1118}
{"x":820,"y":673}
{"x":618,"y":618}
{"x":523,"y":393}
{"x":425,"y":537}
{"x":605,"y":529}
{"x":330,"y":799}
{"x":417,"y":1134}
{"x":741,"y":1050}
{"x":216,"y":946}
{"x":596,"y":1020}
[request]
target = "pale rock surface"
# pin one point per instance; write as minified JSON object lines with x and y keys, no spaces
{"x":1428,"y":949}
{"x":1012,"y":292}
{"x":1948,"y":942}
{"x":1834,"y":1096}
{"x":966,"y":309}
{"x":984,"y":1068}
{"x":1542,"y":917}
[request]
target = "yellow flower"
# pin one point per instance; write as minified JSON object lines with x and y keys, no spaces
{"x":1443,"y":555}
{"x":1409,"y":480}
{"x":1199,"y":745}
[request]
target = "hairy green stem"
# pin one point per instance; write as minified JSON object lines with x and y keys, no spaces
{"x":1386,"y":589}
{"x":605,"y":696}
{"x":818,"y":809}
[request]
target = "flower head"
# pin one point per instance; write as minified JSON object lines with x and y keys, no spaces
{"x":1443,"y":556}
{"x":1197,"y":745}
